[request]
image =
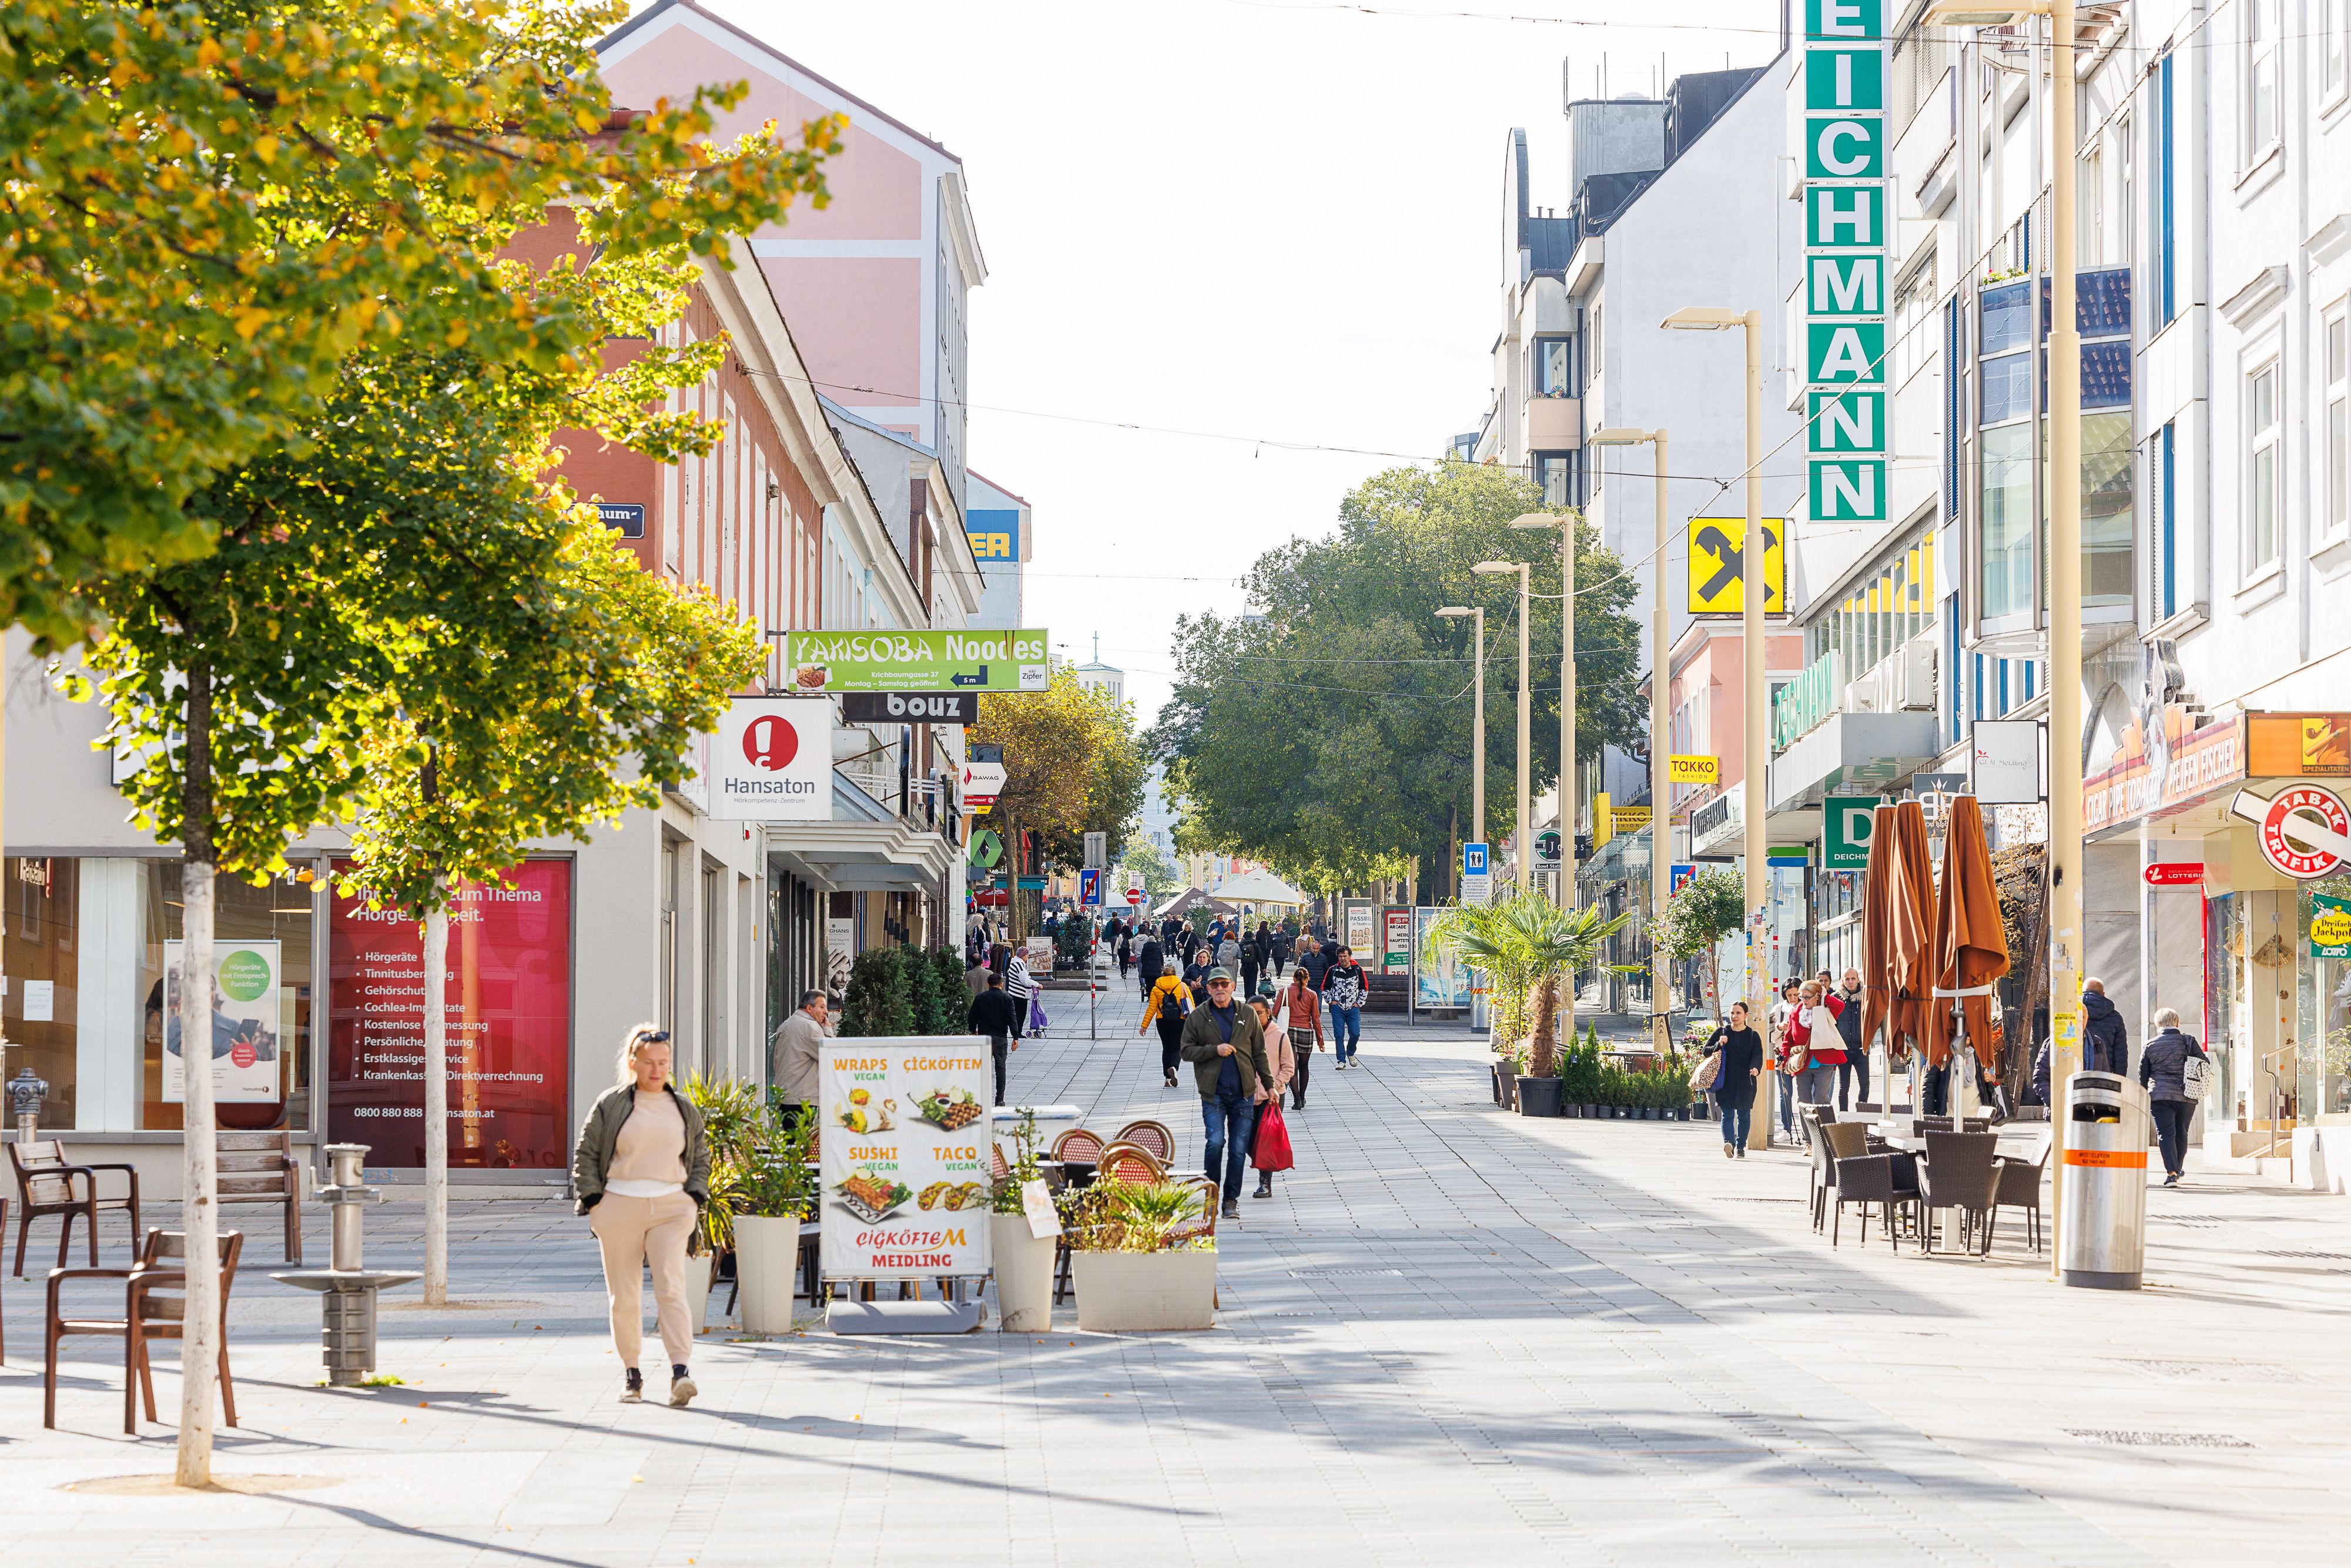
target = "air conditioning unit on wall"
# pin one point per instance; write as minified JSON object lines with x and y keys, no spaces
{"x":1910,"y":679}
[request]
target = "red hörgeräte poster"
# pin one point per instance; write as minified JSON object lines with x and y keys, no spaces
{"x":509,"y":1012}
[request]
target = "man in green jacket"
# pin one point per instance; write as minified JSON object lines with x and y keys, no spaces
{"x":1227,"y":1050}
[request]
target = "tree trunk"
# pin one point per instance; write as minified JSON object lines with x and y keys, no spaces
{"x":200,"y":1348}
{"x":1543,"y":1054}
{"x":436,"y":1104}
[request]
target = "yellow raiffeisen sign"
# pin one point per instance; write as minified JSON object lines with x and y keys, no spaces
{"x":1717,"y":565}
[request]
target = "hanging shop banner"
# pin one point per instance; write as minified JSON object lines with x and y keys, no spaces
{"x":1395,"y":942}
{"x":910,"y":707}
{"x":2330,"y":927}
{"x":978,"y":661}
{"x":248,"y":1023}
{"x":1845,"y":329}
{"x":904,"y":1157}
{"x":508,"y":1007}
{"x":771,"y":761}
{"x":1846,"y":823}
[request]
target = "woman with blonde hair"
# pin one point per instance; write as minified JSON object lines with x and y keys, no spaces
{"x":642,"y":1171}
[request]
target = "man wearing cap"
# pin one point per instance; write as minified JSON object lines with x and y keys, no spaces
{"x":1227,"y":1050}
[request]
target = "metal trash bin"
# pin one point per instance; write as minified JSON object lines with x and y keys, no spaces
{"x":2102,"y":1229}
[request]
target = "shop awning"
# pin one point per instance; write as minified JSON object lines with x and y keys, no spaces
{"x":1854,"y":752}
{"x":887,"y":856}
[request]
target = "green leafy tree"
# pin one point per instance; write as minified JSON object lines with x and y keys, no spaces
{"x":225,"y":223}
{"x":1072,"y":767}
{"x":1158,"y":873}
{"x":1274,"y":714}
{"x":212,"y":207}
{"x":1694,"y":923}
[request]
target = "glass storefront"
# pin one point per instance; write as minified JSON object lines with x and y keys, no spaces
{"x":85,"y":957}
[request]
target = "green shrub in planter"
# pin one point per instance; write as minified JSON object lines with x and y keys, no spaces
{"x":875,"y":1003}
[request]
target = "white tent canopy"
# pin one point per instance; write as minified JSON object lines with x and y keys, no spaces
{"x":1259,"y":886}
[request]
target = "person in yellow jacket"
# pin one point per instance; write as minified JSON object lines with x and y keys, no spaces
{"x":1166,"y":1004}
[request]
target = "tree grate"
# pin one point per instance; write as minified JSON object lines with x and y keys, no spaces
{"x":2287,"y":1252}
{"x":2214,"y":1371}
{"x":2157,"y":1439}
{"x":1335,"y":1273}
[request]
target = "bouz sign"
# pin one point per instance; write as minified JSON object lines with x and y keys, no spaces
{"x":1845,"y":215}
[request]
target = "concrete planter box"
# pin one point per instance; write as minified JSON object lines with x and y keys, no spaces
{"x":1125,"y":1291}
{"x":767,"y":1260}
{"x":1024,"y":1274}
{"x":698,"y":1290}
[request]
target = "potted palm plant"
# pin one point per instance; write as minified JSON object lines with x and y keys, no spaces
{"x":1141,"y":1257}
{"x":1530,"y":948}
{"x":775,"y":1190}
{"x":732,"y":1116}
{"x":1023,"y":1261}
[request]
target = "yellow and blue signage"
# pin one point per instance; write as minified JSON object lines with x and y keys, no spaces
{"x":995,"y":535}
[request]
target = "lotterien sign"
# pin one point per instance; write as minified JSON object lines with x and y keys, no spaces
{"x":1845,"y":337}
{"x":882,"y":661}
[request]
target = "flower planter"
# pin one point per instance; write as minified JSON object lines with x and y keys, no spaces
{"x":1124,"y":1292}
{"x":1538,"y":1096}
{"x":1591,"y":1112}
{"x":767,"y":1260}
{"x":1496,"y":1069}
{"x":1024,"y":1274}
{"x":1572,"y":1112}
{"x":698,"y":1290}
{"x":1510,"y":1078}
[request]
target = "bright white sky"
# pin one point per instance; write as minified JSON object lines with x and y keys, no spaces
{"x":1274,"y":220}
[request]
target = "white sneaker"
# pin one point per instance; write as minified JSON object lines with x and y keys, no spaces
{"x":681,"y":1389}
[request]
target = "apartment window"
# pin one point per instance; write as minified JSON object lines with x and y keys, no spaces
{"x":2337,"y":351}
{"x":1951,"y":663}
{"x":2166,"y":196}
{"x":2333,"y":48}
{"x":1555,"y":367}
{"x":1914,"y":309}
{"x":2261,"y":62}
{"x":2261,"y":467}
{"x":1561,"y":474}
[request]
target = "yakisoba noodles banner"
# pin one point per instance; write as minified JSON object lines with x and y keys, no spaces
{"x":904,"y":1158}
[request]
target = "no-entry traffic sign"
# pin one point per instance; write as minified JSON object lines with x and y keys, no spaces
{"x":2304,"y":828}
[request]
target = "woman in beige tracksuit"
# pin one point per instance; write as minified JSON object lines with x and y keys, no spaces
{"x":642,"y":1170}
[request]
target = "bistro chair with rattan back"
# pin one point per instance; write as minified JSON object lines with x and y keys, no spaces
{"x":48,"y":1183}
{"x":1078,"y":1146}
{"x":1152,"y":1135}
{"x":1831,"y":1142}
{"x":155,"y":1306}
{"x":1128,"y":1162}
{"x":1961,"y":1173}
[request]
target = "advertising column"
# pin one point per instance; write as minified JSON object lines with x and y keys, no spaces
{"x":509,"y":1009}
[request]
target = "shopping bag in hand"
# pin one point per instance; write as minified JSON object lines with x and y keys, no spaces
{"x":1035,"y":1015}
{"x":1270,"y":1150}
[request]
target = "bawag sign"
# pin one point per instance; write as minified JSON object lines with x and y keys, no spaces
{"x":771,"y":761}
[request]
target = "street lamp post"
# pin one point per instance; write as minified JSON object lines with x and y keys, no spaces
{"x":1477,"y":724}
{"x":2065,"y":561}
{"x":1661,"y":832}
{"x":1526,"y":733}
{"x":1565,"y":522}
{"x":1754,"y":756}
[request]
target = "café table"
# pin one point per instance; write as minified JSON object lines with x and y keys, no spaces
{"x":2023,"y":1142}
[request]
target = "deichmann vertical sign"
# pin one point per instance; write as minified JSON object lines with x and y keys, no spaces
{"x":1845,"y":309}
{"x":771,"y":761}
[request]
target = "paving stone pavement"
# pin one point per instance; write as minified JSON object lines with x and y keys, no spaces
{"x":1453,"y":1334}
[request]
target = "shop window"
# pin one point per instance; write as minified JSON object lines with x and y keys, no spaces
{"x":85,"y":1007}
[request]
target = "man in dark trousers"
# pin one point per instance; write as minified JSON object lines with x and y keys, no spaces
{"x":1227,"y":1050}
{"x":1857,"y":1060}
{"x":994,"y":1014}
{"x":1149,"y":963}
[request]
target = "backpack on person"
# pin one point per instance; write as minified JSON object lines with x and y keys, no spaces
{"x":1171,"y":1007}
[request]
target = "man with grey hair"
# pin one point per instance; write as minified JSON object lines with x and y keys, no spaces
{"x":2105,"y":1043}
{"x":2163,"y":1068}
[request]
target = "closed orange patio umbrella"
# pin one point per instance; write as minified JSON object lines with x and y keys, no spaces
{"x":1876,"y":944}
{"x":1910,"y":927}
{"x":1971,"y":947}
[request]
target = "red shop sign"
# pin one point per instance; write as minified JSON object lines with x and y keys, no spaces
{"x":509,"y":1026}
{"x":2175,"y":873}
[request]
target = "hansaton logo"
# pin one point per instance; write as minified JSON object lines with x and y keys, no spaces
{"x":770,"y":742}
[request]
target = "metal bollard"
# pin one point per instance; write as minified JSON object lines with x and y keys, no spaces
{"x":349,"y":1287}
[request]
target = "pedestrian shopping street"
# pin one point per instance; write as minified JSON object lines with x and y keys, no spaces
{"x":1454,"y":1335}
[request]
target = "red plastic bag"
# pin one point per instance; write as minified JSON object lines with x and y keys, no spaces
{"x":1270,"y":1150}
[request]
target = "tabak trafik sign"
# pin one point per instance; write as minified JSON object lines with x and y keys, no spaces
{"x":1846,"y":218}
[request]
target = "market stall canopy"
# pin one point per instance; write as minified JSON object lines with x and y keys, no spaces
{"x":1971,"y":945}
{"x":1259,"y":886}
{"x":1192,"y":901}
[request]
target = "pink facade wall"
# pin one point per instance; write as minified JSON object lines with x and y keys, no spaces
{"x":857,"y":321}
{"x":1715,"y":669}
